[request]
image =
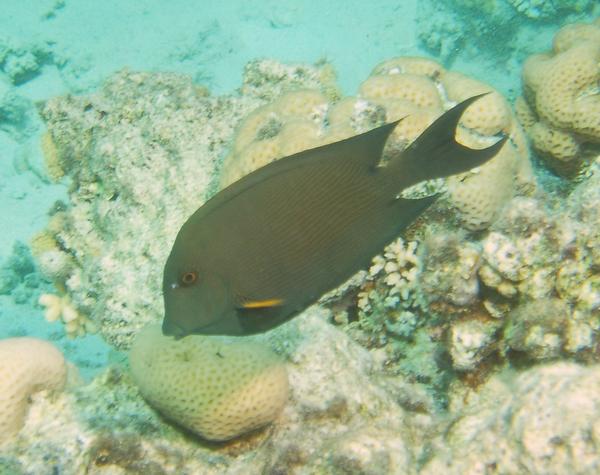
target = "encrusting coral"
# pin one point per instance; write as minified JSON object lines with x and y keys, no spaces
{"x":27,"y":365}
{"x":218,"y":389}
{"x":561,"y":105}
{"x":544,"y":420}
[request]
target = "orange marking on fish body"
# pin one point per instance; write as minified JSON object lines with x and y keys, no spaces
{"x":263,"y":303}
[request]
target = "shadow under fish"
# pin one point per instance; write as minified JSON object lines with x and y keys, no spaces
{"x":269,"y":245}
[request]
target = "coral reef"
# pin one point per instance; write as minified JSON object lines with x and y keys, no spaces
{"x":347,"y":413}
{"x":560,"y":106}
{"x":27,"y":365}
{"x":216,"y":388}
{"x":438,"y":354}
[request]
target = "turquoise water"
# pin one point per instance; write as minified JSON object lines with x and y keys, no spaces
{"x":51,"y":48}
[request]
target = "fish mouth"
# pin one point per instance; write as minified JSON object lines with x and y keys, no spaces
{"x":170,"y":329}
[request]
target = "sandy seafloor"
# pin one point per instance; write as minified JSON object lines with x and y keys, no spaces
{"x":86,"y":41}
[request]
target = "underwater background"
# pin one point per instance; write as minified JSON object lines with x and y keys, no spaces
{"x":470,"y":345}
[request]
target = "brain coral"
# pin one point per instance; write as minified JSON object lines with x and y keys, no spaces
{"x":561,"y":102}
{"x":27,"y":365}
{"x":215,"y":388}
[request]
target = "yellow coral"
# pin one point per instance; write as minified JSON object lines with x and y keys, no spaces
{"x":257,"y":154}
{"x":215,"y":388}
{"x":284,"y":127}
{"x":337,"y":132}
{"x":409,"y":64}
{"x":301,"y":103}
{"x":479,"y":195}
{"x":561,"y":88}
{"x":27,"y":365}
{"x":558,"y":144}
{"x":297,"y":136}
{"x":489,"y":115}
{"x":250,"y":127}
{"x":566,"y":97}
{"x":419,"y":90}
{"x":570,"y":35}
{"x":414,"y":121}
{"x":342,"y":111}
{"x":41,"y":242}
{"x":524,"y":114}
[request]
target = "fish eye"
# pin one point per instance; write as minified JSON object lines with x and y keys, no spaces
{"x":188,"y":278}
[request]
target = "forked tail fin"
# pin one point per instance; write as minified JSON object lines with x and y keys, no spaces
{"x":437,"y":154}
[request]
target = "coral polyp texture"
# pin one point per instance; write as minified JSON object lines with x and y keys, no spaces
{"x":215,"y":388}
{"x":27,"y":366}
{"x":561,"y":103}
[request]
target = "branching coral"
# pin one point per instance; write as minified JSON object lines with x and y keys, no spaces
{"x":389,"y":298}
{"x":60,"y":308}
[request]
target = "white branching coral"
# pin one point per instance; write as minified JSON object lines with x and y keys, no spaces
{"x":60,"y":308}
{"x":401,"y":266}
{"x":390,"y":296}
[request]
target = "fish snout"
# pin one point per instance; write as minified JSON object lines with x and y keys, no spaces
{"x":171,"y":329}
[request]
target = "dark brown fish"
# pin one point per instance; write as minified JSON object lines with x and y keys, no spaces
{"x":269,"y":245}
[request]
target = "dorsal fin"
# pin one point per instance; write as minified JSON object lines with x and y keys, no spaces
{"x":365,"y":148}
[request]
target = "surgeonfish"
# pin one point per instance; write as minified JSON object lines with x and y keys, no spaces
{"x":266,"y":247}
